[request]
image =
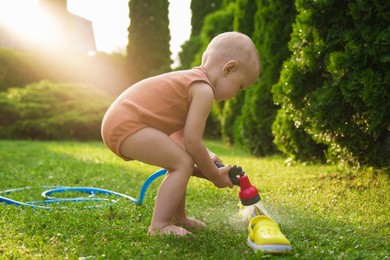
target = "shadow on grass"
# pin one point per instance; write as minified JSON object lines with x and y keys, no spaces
{"x":37,"y":164}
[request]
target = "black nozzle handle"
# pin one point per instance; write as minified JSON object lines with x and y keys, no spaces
{"x":233,"y":173}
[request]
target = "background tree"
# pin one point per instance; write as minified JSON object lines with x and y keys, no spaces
{"x":148,"y":50}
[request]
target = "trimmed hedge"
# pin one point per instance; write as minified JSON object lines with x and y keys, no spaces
{"x":52,"y":111}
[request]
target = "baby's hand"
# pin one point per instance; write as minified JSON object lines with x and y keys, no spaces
{"x":223,"y":179}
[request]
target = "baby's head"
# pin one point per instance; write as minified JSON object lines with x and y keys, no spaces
{"x":232,"y":46}
{"x":228,"y":53}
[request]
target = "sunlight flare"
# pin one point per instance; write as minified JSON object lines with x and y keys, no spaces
{"x":34,"y":26}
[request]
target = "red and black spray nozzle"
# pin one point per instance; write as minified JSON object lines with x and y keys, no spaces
{"x":248,"y":193}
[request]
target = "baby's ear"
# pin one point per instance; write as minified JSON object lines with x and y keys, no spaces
{"x":229,"y":67}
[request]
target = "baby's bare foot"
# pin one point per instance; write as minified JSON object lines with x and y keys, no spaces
{"x":169,"y":229}
{"x":190,"y":223}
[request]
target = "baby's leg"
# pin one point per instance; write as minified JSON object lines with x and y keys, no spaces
{"x":181,"y":218}
{"x":156,"y":148}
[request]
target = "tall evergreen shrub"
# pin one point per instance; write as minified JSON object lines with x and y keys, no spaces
{"x":200,"y":9}
{"x":272,"y":28}
{"x":243,"y":21}
{"x":215,"y":23}
{"x":336,"y":85}
{"x":294,"y":142}
{"x":148,"y":50}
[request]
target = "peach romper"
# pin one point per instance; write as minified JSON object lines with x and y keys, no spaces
{"x":161,"y":102}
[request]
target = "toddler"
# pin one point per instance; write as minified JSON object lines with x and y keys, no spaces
{"x":160,"y":121}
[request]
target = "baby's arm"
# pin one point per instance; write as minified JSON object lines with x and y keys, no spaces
{"x":202,"y":98}
{"x":178,"y":138}
{"x":214,"y":157}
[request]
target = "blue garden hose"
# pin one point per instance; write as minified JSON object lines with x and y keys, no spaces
{"x":50,"y":190}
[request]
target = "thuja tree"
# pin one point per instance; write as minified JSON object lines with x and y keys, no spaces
{"x":200,"y":9}
{"x":272,"y":28}
{"x":148,"y":50}
{"x":217,"y":22}
{"x":335,"y":87}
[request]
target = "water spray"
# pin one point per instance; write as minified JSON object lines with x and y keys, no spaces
{"x":251,"y":205}
{"x":264,"y":233}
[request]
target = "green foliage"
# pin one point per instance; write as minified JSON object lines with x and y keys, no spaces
{"x":228,"y":117}
{"x":294,"y":141}
{"x":17,"y":69}
{"x":244,"y":16}
{"x":49,"y":111}
{"x":254,"y":125}
{"x":148,"y":50}
{"x":335,"y":85}
{"x":215,"y":23}
{"x":231,"y":128}
{"x":213,"y":124}
{"x":200,"y":9}
{"x":189,"y":50}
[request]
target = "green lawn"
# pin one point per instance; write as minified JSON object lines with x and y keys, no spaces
{"x":325,"y":213}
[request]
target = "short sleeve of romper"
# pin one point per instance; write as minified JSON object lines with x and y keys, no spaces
{"x":161,"y":102}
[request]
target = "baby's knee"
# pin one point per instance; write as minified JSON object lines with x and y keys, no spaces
{"x":185,"y":165}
